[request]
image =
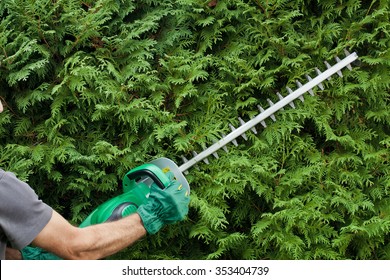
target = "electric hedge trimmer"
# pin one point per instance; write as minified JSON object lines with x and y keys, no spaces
{"x":137,"y":182}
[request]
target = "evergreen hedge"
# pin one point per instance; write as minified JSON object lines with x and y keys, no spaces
{"x":92,"y":89}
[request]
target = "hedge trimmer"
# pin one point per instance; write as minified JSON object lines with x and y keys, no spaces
{"x":137,"y":182}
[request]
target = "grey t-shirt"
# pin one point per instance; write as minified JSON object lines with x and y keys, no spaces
{"x":22,"y":214}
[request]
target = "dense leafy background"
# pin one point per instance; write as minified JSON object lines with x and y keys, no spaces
{"x":94,"y":88}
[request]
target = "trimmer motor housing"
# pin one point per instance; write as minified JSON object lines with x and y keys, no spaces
{"x":136,"y":189}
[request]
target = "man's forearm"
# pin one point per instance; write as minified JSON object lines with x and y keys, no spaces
{"x":93,"y":242}
{"x":102,"y":240}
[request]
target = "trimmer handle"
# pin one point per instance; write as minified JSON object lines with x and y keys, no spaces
{"x":147,"y":173}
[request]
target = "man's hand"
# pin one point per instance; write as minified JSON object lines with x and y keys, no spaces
{"x":164,"y":206}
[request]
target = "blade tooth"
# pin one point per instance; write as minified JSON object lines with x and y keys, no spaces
{"x":241,"y":121}
{"x":234,"y":140}
{"x":291,"y":91}
{"x":292,"y":105}
{"x":224,"y":147}
{"x":347,"y":53}
{"x":279,"y":95}
{"x":329,"y":66}
{"x":242,"y":135}
{"x":320,"y":85}
{"x":261,"y":111}
{"x":253,"y":129}
{"x":300,"y":85}
{"x":271,"y":104}
{"x":215,"y":154}
{"x":318,"y":71}
{"x":338,"y":72}
{"x":204,"y":160}
{"x":184,"y":159}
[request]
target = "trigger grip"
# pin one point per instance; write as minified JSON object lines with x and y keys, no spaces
{"x":118,"y":211}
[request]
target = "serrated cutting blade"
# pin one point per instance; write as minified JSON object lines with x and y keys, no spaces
{"x":260,"y":118}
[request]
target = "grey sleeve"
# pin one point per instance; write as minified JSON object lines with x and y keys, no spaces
{"x":22,"y":214}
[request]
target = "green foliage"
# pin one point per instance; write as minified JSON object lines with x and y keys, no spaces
{"x":92,"y":89}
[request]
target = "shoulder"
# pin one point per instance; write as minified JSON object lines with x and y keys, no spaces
{"x":10,"y":185}
{"x":22,"y":214}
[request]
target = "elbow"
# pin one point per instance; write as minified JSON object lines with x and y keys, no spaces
{"x":68,"y":241}
{"x":78,"y":247}
{"x":72,"y":253}
{"x":75,"y":255}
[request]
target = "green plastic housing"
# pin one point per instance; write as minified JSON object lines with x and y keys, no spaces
{"x":136,"y":189}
